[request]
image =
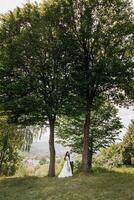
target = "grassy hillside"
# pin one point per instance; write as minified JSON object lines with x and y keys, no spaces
{"x":106,"y":186}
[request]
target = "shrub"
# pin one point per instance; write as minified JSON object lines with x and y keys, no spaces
{"x":43,"y":161}
{"x":77,"y":166}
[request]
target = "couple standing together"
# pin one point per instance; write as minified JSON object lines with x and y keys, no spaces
{"x":68,"y":167}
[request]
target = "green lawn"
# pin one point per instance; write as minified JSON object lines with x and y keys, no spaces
{"x":106,"y":186}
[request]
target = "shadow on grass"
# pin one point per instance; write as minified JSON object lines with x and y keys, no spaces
{"x":95,"y":171}
{"x":97,"y":185}
{"x":36,"y":182}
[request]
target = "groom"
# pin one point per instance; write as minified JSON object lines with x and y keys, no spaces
{"x":72,"y":160}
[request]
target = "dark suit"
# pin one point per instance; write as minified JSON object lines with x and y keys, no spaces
{"x":72,"y":166}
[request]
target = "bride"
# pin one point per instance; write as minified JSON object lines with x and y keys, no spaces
{"x":66,"y":170}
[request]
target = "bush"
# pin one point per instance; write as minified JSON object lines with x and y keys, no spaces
{"x":77,"y":166}
{"x":109,"y":157}
{"x":43,"y":161}
{"x":99,"y":170}
{"x":124,"y":169}
{"x":40,"y":170}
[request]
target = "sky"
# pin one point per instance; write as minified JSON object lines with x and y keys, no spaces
{"x":6,"y":5}
{"x":126,"y":115}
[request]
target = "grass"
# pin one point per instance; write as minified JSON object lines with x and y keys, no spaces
{"x":39,"y":170}
{"x":127,"y":170}
{"x":104,"y":186}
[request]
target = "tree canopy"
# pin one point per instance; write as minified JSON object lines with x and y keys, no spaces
{"x":100,"y":39}
{"x":63,"y":56}
{"x":105,"y":129}
{"x":33,"y":76}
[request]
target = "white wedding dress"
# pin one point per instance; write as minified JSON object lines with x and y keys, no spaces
{"x":66,"y":170}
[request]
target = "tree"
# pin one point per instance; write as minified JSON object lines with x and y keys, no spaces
{"x":12,"y":140}
{"x":81,"y":48}
{"x":105,"y":128}
{"x":109,"y":157}
{"x":99,"y":37}
{"x":33,"y":77}
{"x":118,"y":154}
{"x":128,"y":145}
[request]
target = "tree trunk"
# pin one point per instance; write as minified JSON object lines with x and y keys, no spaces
{"x":91,"y":151}
{"x":86,"y":153}
{"x":3,"y":151}
{"x":51,"y":172}
{"x":1,"y":161}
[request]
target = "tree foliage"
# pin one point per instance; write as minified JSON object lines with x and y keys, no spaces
{"x":33,"y":75}
{"x":105,"y":128}
{"x":99,"y":36}
{"x":118,"y":154}
{"x":128,"y":145}
{"x":62,"y":56}
{"x":109,"y":157}
{"x":13,"y":140}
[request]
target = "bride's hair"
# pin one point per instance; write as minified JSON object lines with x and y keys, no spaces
{"x":67,"y":154}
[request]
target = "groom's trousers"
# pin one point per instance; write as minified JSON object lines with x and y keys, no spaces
{"x":72,"y":166}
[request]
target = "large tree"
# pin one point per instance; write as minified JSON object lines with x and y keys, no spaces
{"x":91,"y":42}
{"x":33,"y":76}
{"x":99,"y":38}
